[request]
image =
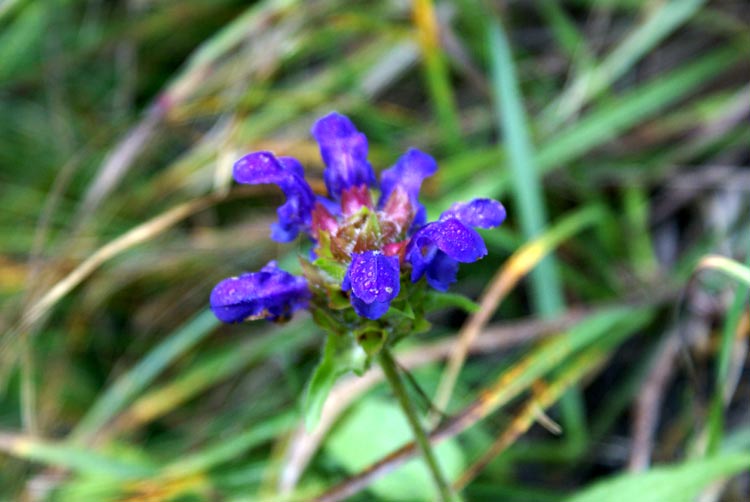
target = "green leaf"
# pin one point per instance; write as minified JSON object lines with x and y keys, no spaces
{"x":436,"y":300}
{"x":677,"y":483}
{"x":333,"y":268}
{"x":341,"y":354}
{"x":373,"y":429}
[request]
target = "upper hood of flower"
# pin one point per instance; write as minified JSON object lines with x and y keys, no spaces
{"x":344,"y":152}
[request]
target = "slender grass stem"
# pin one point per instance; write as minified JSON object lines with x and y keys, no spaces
{"x":721,"y":395}
{"x":420,"y":436}
{"x":28,"y":388}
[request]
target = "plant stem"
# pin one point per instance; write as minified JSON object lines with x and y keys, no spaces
{"x":420,"y":437}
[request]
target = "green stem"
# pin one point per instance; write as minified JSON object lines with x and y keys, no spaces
{"x":397,"y":386}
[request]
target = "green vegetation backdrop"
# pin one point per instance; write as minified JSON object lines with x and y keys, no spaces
{"x":615,"y":132}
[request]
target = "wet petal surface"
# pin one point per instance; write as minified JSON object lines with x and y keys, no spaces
{"x":481,"y":213}
{"x":270,"y":293}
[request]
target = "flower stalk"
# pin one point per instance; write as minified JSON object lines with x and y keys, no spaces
{"x":390,"y":370}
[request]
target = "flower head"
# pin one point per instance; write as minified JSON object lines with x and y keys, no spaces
{"x":367,"y":253}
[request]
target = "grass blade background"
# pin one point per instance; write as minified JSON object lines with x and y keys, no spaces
{"x":528,"y":196}
{"x":657,"y":26}
{"x":546,"y":290}
{"x":680,"y":483}
{"x":628,"y":117}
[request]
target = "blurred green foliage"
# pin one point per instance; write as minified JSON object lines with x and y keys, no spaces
{"x":119,"y":123}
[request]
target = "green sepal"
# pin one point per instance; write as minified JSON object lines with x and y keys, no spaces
{"x":337,"y":299}
{"x":421,"y":325}
{"x":325,"y":320}
{"x":371,"y":341}
{"x":372,"y":224}
{"x":334,"y":269}
{"x":396,"y":314}
{"x":323,"y":248}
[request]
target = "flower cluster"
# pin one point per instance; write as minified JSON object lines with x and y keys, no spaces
{"x":366,"y":250}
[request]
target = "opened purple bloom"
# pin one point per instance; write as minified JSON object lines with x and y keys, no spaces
{"x":374,"y":280}
{"x":271,"y":293}
{"x":375,"y":245}
{"x":286,"y":172}
{"x":436,"y":248}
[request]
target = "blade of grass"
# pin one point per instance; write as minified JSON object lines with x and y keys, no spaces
{"x":143,"y":373}
{"x":672,"y":483}
{"x":728,"y":337}
{"x":597,"y":127}
{"x":614,"y":117}
{"x":229,"y":448}
{"x":545,"y":358}
{"x":184,"y":84}
{"x":28,"y":387}
{"x":135,"y":236}
{"x":544,"y":396}
{"x":209,"y":371}
{"x":20,"y":42}
{"x":641,"y":41}
{"x":567,"y":34}
{"x":727,"y":266}
{"x":514,"y":269}
{"x":80,"y":460}
{"x":546,"y":289}
{"x":639,"y":237}
{"x":531,"y":209}
{"x":553,"y":451}
{"x":436,"y":72}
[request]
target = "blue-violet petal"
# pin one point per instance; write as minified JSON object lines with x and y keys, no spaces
{"x":344,"y":152}
{"x":441,"y":271}
{"x":295,"y":214}
{"x":451,"y":237}
{"x":270,"y":293}
{"x":373,"y":278}
{"x":481,"y":213}
{"x":435,"y":250}
{"x":374,"y":310}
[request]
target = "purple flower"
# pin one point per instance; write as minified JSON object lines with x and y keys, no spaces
{"x":374,"y":280}
{"x":436,"y":248}
{"x":369,"y":247}
{"x":344,"y":152}
{"x":263,"y":168}
{"x":271,"y":293}
{"x":408,"y":174}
